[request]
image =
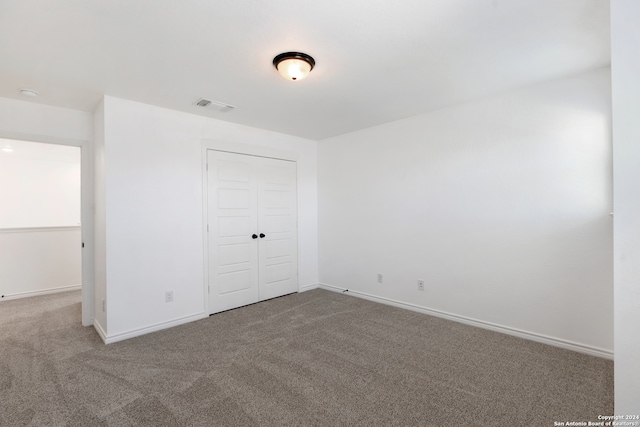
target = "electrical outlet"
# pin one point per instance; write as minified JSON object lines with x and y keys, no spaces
{"x":421,"y":285}
{"x":379,"y":278}
{"x":168,"y":296}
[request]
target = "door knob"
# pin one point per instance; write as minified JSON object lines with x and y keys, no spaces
{"x":254,"y":236}
{"x":262,"y":235}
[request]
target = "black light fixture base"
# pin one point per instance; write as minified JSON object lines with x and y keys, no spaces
{"x":294,"y":55}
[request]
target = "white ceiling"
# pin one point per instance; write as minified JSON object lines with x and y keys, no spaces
{"x":377,"y":60}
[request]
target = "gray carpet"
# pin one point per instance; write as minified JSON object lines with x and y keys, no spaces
{"x":317,"y":358}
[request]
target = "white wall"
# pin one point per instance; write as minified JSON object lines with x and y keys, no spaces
{"x":39,"y":185}
{"x":43,"y":123}
{"x":153,"y":207}
{"x":625,"y":69}
{"x":37,"y":261}
{"x":501,"y":206}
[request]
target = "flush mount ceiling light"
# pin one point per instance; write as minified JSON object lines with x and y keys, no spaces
{"x":294,"y":65}
{"x":29,"y":92}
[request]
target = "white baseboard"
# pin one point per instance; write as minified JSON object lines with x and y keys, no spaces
{"x":557,"y":342}
{"x":17,"y":295}
{"x":306,"y":288}
{"x":109,"y":339}
{"x":100,"y":330}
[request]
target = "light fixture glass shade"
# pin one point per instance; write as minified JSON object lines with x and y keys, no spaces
{"x":294,"y":65}
{"x":294,"y":69}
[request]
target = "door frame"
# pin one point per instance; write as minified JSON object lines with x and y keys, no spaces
{"x":248,"y":150}
{"x":86,"y":211}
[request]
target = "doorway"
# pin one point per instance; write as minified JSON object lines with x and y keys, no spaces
{"x":40,"y":227}
{"x":80,"y":221}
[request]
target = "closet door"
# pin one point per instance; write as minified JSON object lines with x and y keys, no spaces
{"x":252,"y":229}
{"x":232,"y":223}
{"x":277,"y":222}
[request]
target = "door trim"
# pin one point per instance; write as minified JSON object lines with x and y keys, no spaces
{"x":249,"y":150}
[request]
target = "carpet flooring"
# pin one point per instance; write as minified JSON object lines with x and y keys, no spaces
{"x":316,"y":358}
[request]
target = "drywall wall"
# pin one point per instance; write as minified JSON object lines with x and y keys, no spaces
{"x":40,"y":185}
{"x":501,"y":206}
{"x":43,"y":123}
{"x":153,"y":211}
{"x":625,"y":69}
{"x":36,"y":261}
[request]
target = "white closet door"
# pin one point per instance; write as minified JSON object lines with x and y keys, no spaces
{"x":277,"y":222}
{"x":232,"y":219}
{"x":252,"y":237}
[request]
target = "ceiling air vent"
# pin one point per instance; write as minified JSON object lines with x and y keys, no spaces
{"x":214,"y":105}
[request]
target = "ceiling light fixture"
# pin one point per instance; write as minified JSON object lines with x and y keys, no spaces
{"x":29,"y":92}
{"x":294,"y":65}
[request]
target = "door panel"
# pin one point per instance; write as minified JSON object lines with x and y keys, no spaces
{"x":277,"y":248}
{"x":234,"y":226}
{"x":232,"y":219}
{"x":234,"y":198}
{"x":234,"y":254}
{"x":276,"y":198}
{"x":234,"y":282}
{"x":230,"y":170}
{"x":277,"y":219}
{"x":278,"y":272}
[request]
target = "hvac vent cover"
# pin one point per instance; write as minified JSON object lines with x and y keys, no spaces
{"x":214,"y":105}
